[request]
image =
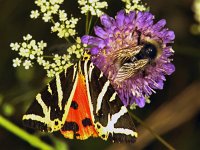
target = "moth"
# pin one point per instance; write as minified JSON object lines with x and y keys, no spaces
{"x":81,"y":103}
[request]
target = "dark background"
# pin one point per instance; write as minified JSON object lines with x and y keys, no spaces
{"x":173,"y":112}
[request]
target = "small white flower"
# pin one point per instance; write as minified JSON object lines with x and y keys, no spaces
{"x":32,"y":43}
{"x":57,"y":57}
{"x":27,"y":64}
{"x":46,"y":17}
{"x":92,"y":6}
{"x":132,"y":5}
{"x":24,"y":45}
{"x":40,"y":60}
{"x":15,"y":46}
{"x":60,"y":1}
{"x":55,"y":27}
{"x":82,"y":2}
{"x":24,"y":52}
{"x":32,"y":56}
{"x":62,"y":15}
{"x":27,"y":37}
{"x":40,"y":2}
{"x":54,"y":8}
{"x":50,"y":73}
{"x":16,"y":62}
{"x":65,"y":57}
{"x":46,"y":65}
{"x":34,"y":14}
{"x":53,"y":2}
{"x":38,"y":52}
{"x":42,"y":44}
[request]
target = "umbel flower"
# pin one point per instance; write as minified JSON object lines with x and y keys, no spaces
{"x":134,"y":54}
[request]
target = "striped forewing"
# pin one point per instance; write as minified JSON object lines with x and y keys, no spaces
{"x":110,"y":116}
{"x":49,"y":109}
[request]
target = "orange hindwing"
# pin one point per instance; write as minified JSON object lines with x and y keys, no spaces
{"x":79,"y":122}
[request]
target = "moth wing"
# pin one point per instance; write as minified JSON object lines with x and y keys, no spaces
{"x":49,"y":109}
{"x":110,"y":116}
{"x":78,"y":124}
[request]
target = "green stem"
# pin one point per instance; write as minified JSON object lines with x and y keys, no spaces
{"x":90,"y":22}
{"x":34,"y":141}
{"x":86,"y":23}
{"x":152,"y":132}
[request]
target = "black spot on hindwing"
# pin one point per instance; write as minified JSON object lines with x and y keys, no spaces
{"x":86,"y":122}
{"x":74,"y":105}
{"x":70,"y":126}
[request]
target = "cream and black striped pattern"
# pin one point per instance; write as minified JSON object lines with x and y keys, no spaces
{"x":50,"y":108}
{"x":110,"y":117}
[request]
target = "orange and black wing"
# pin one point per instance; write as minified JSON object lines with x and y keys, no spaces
{"x":50,"y":108}
{"x":110,"y":116}
{"x":81,"y":102}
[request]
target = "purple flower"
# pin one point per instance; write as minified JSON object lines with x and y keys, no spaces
{"x":134,"y":54}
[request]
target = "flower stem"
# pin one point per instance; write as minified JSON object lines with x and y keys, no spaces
{"x":86,"y":23}
{"x":89,"y":25}
{"x":32,"y":140}
{"x":152,"y":132}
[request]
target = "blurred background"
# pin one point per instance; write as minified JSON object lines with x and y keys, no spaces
{"x":173,"y":112}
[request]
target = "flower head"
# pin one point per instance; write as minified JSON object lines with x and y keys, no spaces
{"x":93,"y":6}
{"x":134,"y":54}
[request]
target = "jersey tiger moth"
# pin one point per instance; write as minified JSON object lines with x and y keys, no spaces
{"x":80,"y":102}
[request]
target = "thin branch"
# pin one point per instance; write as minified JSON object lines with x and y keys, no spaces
{"x":175,"y":112}
{"x":159,"y":138}
{"x":32,"y":140}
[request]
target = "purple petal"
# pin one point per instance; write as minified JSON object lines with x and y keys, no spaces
{"x":169,"y":68}
{"x":93,"y":41}
{"x":120,"y":18}
{"x":131,"y":16}
{"x":106,"y":21}
{"x":159,"y":25}
{"x":85,"y":39}
{"x":166,"y":35}
{"x":170,"y":35}
{"x":140,"y":102}
{"x":167,"y":52}
{"x":94,"y":51}
{"x":100,"y":32}
{"x":160,"y":84}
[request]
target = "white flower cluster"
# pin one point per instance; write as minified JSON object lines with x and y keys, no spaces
{"x":47,"y":8}
{"x":65,"y":26}
{"x":30,"y":50}
{"x":92,"y":6}
{"x":132,"y":5}
{"x":60,"y":63}
{"x":196,"y":8}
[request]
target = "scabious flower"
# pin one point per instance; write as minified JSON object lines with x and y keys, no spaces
{"x":123,"y":36}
